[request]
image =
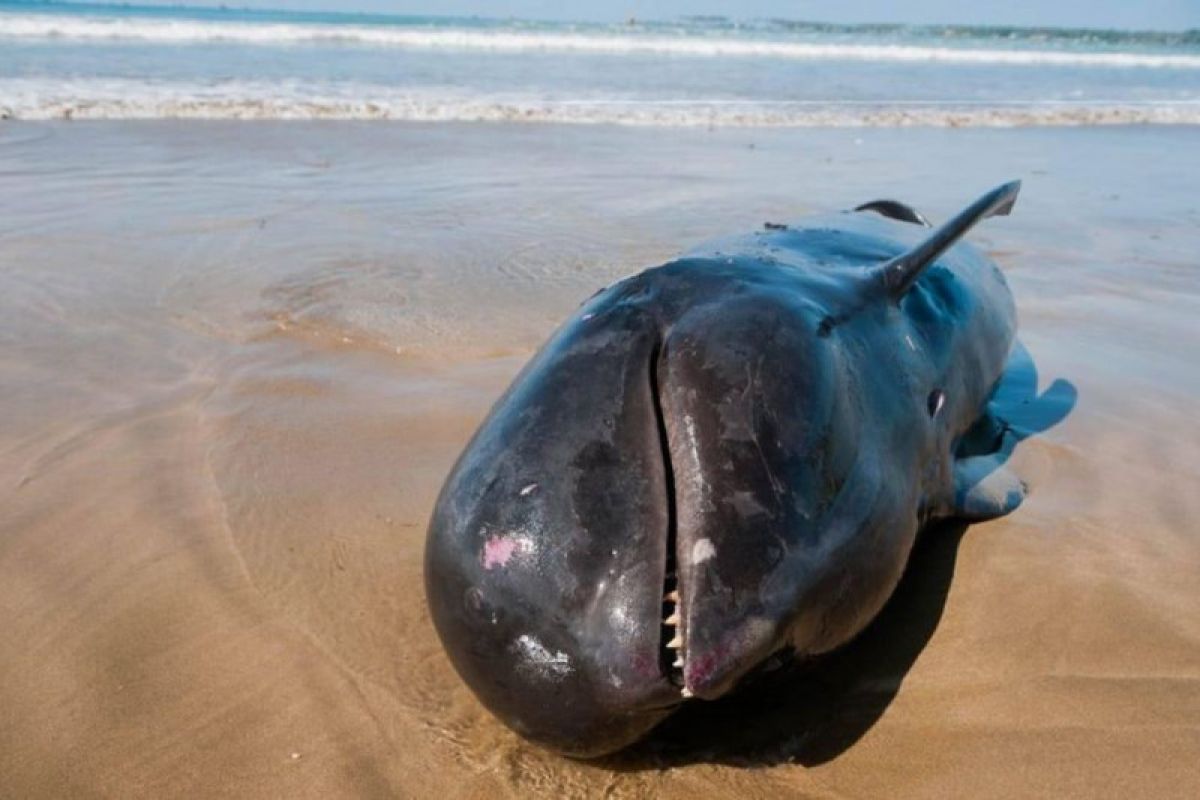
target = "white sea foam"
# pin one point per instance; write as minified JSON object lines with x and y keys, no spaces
{"x":41,"y":99}
{"x":185,"y":31}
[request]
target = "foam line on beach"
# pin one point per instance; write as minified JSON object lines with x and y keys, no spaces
{"x":38,"y":27}
{"x":44,"y":99}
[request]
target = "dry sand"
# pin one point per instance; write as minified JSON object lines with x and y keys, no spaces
{"x":237,"y":360}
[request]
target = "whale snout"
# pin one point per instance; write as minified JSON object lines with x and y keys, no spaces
{"x":547,"y":549}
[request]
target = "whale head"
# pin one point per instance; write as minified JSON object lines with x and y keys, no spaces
{"x":608,"y":544}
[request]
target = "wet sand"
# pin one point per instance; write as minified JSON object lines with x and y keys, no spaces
{"x":238,"y":360}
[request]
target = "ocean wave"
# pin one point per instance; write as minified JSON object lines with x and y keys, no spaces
{"x":33,"y":27}
{"x":44,"y":99}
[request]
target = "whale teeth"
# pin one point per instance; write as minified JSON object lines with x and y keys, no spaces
{"x":672,"y":651}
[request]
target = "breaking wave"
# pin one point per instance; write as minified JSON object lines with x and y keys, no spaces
{"x":564,"y":39}
{"x":42,"y":99}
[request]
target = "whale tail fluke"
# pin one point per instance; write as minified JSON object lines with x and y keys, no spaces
{"x":899,"y":274}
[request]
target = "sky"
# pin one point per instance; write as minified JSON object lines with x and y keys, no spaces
{"x":1129,"y":14}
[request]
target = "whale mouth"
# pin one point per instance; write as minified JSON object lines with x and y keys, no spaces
{"x":671,"y":645}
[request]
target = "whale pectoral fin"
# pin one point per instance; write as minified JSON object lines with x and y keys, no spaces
{"x":893,"y":209}
{"x":984,"y":488}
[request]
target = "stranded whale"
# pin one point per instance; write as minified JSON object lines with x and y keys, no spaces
{"x":717,"y":460}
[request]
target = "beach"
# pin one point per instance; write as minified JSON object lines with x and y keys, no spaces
{"x":240,"y":358}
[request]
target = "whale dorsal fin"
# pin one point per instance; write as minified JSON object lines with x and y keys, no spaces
{"x":897,"y":275}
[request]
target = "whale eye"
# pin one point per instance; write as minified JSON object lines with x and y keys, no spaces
{"x":937,"y":399}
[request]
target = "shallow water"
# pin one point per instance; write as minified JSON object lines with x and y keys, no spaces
{"x":239,"y":359}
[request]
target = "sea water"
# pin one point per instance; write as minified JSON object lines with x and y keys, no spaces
{"x":130,"y":62}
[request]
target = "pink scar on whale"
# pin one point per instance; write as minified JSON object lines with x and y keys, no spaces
{"x":497,"y":550}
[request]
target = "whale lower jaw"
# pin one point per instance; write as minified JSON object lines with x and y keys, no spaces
{"x":742,"y":643}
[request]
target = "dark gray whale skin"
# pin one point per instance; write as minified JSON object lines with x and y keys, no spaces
{"x":761,"y":426}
